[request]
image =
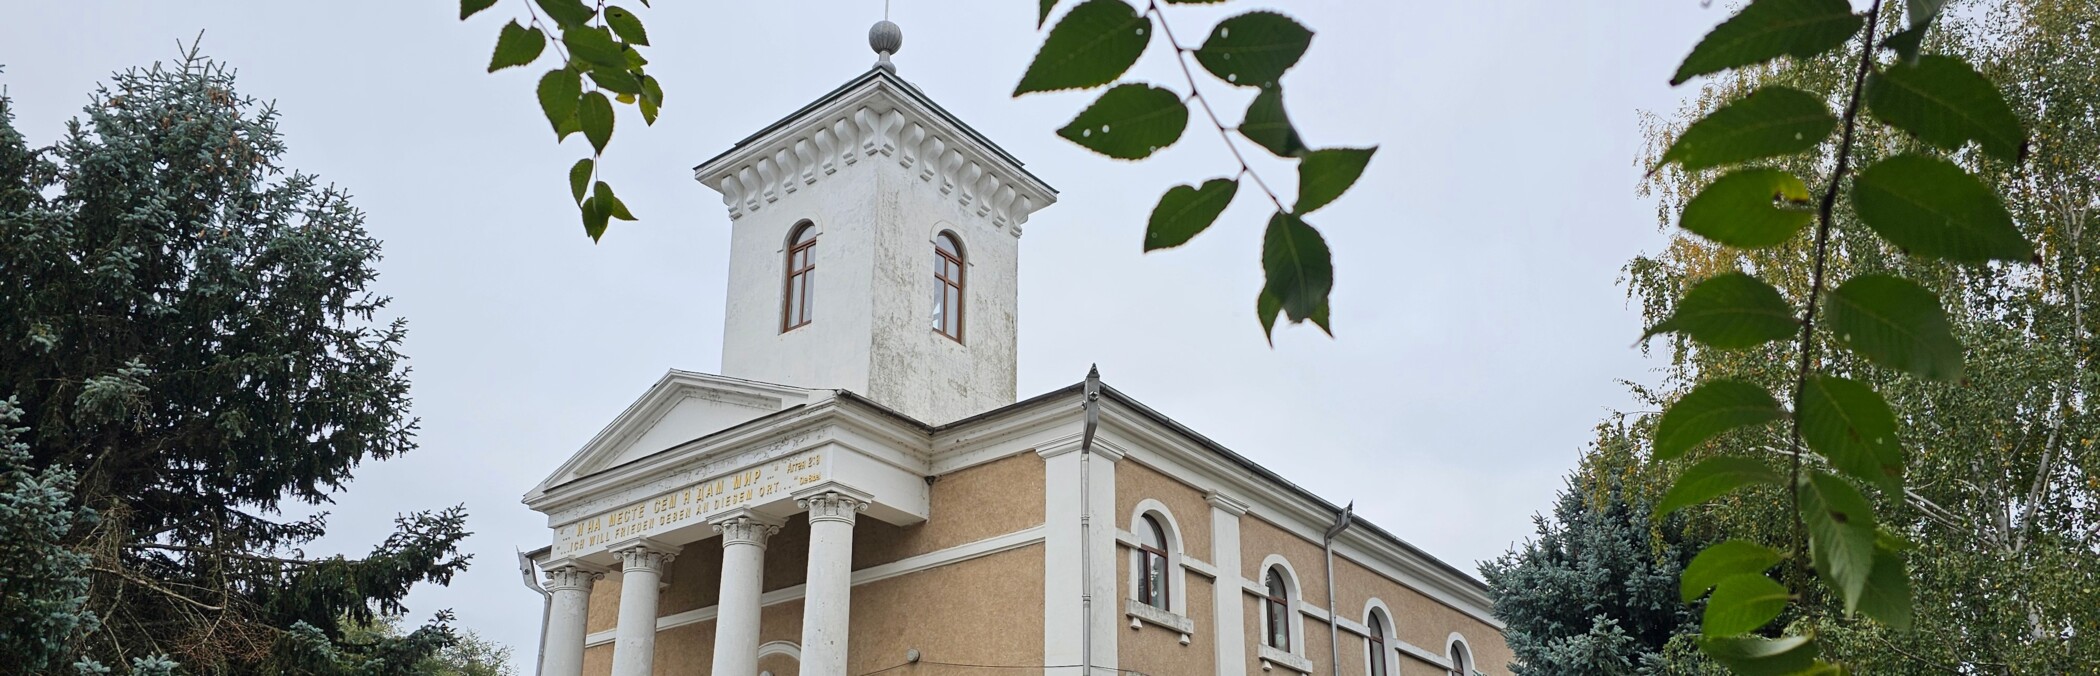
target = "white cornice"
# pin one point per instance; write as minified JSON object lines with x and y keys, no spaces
{"x":836,"y":420}
{"x":876,"y":115}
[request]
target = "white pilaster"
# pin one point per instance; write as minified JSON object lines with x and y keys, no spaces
{"x":1064,"y":616}
{"x":1227,"y":604}
{"x":642,"y":563}
{"x":744,"y":536}
{"x":570,"y":584}
{"x":827,"y":606}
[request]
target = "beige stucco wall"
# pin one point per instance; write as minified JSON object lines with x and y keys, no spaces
{"x":985,"y":611}
{"x":1135,"y":483}
{"x":1418,"y":619}
{"x":982,"y":501}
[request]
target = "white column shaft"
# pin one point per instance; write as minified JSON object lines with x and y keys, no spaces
{"x":634,"y":640}
{"x":743,"y":577}
{"x":827,"y":609}
{"x":567,"y":618}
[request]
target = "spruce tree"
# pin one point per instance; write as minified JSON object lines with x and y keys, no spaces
{"x":187,"y":328}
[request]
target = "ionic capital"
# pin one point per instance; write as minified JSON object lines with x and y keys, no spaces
{"x":832,"y":506}
{"x":575,"y":576}
{"x":745,"y":527}
{"x":644,"y":554}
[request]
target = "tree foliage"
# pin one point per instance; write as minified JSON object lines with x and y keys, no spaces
{"x":187,"y":328}
{"x":1596,"y":591}
{"x":1942,"y":517}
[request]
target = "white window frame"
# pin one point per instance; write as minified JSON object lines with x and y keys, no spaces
{"x":1390,"y":638}
{"x":1294,"y":587}
{"x":1472,"y":667}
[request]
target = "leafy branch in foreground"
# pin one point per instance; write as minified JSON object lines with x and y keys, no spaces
{"x":1097,"y":41}
{"x":1927,"y":207}
{"x":597,"y":45}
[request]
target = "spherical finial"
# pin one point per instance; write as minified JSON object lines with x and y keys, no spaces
{"x":885,"y":38}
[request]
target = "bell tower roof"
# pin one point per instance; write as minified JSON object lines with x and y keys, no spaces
{"x":875,"y":114}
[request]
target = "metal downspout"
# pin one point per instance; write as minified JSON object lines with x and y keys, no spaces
{"x":1086,"y":522}
{"x":532,"y":582}
{"x":1334,"y":634}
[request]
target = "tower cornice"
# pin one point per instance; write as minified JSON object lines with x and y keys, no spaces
{"x":877,"y":117}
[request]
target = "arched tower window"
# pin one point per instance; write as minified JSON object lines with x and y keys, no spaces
{"x":1374,"y":643}
{"x":801,"y":276}
{"x":948,"y":286}
{"x":1461,"y":659}
{"x":1276,"y":610}
{"x":1153,"y":585}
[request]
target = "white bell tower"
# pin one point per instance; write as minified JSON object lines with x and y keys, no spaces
{"x":874,"y":246}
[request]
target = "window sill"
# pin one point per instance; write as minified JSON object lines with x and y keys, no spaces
{"x":1141,"y":613}
{"x":1271,"y":657}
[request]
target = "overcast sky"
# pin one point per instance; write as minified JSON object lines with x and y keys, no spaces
{"x":1480,"y":325}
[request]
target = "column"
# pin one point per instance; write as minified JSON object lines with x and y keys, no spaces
{"x":570,"y":585}
{"x":642,"y":564}
{"x":744,"y":536}
{"x":1228,"y":600}
{"x":827,"y":607}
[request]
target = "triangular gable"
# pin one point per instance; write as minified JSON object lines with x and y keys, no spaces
{"x":680,"y":407}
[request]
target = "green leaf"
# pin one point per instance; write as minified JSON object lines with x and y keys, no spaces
{"x":617,"y":81}
{"x":1769,"y":29}
{"x":594,"y":218}
{"x":1751,"y":209}
{"x":1852,"y":426}
{"x":1266,"y":307}
{"x":595,"y":113}
{"x":648,"y":112}
{"x":595,"y":47}
{"x":1715,"y":406}
{"x":1129,"y":122}
{"x":602,"y":194}
{"x":1042,"y":14}
{"x":1759,"y":656}
{"x":1930,"y":207}
{"x":1721,"y":561}
{"x":626,"y":25}
{"x":1185,"y":211}
{"x":1886,"y":597}
{"x":516,"y":46}
{"x":1741,"y":604}
{"x":1945,"y":102}
{"x":1840,"y":534}
{"x":1297,"y":264}
{"x":559,"y":91}
{"x":567,"y":13}
{"x":580,"y":177}
{"x":1325,"y":174}
{"x":651,"y":91}
{"x":1770,"y":122}
{"x":1091,"y":46}
{"x":1254,"y":49}
{"x":1731,"y":311}
{"x":1896,"y":323}
{"x":1269,"y":127}
{"x":1713,"y":478}
{"x":469,"y":8}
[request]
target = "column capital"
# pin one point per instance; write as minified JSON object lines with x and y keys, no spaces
{"x":832,"y":501}
{"x":643,"y":554}
{"x":1225,"y":504}
{"x":571,"y":575}
{"x":745,"y":527}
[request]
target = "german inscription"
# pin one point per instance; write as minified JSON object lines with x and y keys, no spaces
{"x":691,"y":504}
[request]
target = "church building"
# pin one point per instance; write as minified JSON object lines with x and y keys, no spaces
{"x":860,"y":492}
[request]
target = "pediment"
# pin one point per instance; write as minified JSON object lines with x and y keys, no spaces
{"x":681,"y":407}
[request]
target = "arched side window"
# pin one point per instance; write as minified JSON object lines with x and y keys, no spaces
{"x":948,"y":286}
{"x":1375,"y":652}
{"x":1276,"y":609}
{"x":1154,"y":585}
{"x":801,"y":277}
{"x":1461,"y":658}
